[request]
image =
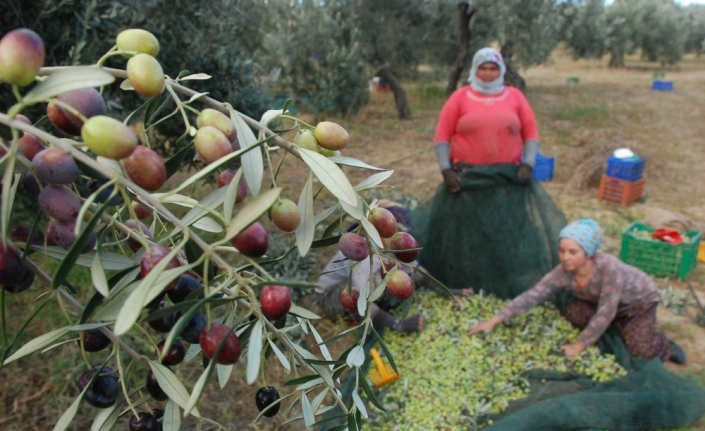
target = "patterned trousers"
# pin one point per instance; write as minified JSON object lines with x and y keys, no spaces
{"x":637,"y":325}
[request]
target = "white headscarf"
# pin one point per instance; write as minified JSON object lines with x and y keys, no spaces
{"x":486,"y":55}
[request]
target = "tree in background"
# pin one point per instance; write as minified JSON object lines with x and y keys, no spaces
{"x":695,"y":17}
{"x":526,"y":32}
{"x":654,"y":26}
{"x":313,"y":56}
{"x":389,"y":35}
{"x":465,"y":15}
{"x":662,"y":33}
{"x":586,"y":32}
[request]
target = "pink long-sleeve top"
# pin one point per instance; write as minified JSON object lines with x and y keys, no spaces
{"x":486,"y":129}
{"x":614,"y":286}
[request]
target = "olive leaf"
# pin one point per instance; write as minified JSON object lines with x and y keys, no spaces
{"x":252,"y":161}
{"x":319,"y":341}
{"x":349,"y":161}
{"x":282,"y":359}
{"x":9,"y":189}
{"x":110,"y":260}
{"x":172,"y":417}
{"x":37,"y":344}
{"x":307,"y":228}
{"x":69,"y":79}
{"x":100,"y":281}
{"x":302,"y":312}
{"x":359,"y":404}
{"x":68,"y":415}
{"x":252,"y":212}
{"x":307,"y":411}
{"x":171,"y":385}
{"x":330,"y":176}
{"x":224,"y":372}
{"x":356,"y":357}
{"x":231,"y":196}
{"x":149,"y":288}
{"x":254,"y":352}
{"x":373,"y":180}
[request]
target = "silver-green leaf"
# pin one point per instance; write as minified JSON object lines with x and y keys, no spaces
{"x":172,"y":417}
{"x":254,"y":352}
{"x":307,"y":228}
{"x":110,"y":260}
{"x":37,"y":344}
{"x":231,"y":196}
{"x":356,"y":357}
{"x":224,"y":372}
{"x":373,"y":180}
{"x":359,"y":404}
{"x":302,"y":312}
{"x":252,"y":212}
{"x":252,"y":161}
{"x":349,"y":161}
{"x":100,"y":281}
{"x":307,"y":411}
{"x":69,"y":79}
{"x":70,"y":413}
{"x":171,"y":385}
{"x":282,"y":358}
{"x":330,"y":175}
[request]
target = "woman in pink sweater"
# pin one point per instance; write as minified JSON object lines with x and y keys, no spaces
{"x":607,"y":292}
{"x":486,"y":123}
{"x":489,"y":226}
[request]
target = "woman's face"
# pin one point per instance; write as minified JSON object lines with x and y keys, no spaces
{"x":487,"y":72}
{"x":571,"y":254}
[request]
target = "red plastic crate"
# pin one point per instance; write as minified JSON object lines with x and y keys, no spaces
{"x":621,"y":191}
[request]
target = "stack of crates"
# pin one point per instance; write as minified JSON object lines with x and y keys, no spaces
{"x":624,"y":181}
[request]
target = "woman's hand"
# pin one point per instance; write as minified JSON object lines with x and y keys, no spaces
{"x":524,"y":173}
{"x":573,"y":349}
{"x":485,"y":326}
{"x":455,"y":294}
{"x":452,"y":180}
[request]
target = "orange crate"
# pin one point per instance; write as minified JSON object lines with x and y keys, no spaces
{"x":621,"y":191}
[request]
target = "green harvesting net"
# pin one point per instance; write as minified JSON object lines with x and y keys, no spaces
{"x":496,"y":235}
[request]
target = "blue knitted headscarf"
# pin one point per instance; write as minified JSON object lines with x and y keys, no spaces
{"x":586,"y":232}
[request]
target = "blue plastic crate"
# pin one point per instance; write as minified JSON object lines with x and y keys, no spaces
{"x":543,"y":169}
{"x":662,"y":85}
{"x":629,"y":169}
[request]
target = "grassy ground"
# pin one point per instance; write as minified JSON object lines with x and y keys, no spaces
{"x":606,"y":110}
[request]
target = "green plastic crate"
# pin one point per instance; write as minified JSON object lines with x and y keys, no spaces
{"x":657,"y":257}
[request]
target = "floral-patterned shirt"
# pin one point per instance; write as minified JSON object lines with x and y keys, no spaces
{"x":614,"y":286}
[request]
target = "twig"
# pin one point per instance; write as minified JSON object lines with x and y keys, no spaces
{"x":76,"y":305}
{"x":700,"y":305}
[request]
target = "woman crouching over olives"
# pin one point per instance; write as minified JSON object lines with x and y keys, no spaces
{"x":607,"y":292}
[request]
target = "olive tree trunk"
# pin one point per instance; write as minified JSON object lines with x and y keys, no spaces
{"x":400,"y":99}
{"x":465,"y":15}
{"x":616,"y":59}
{"x":512,"y":77}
